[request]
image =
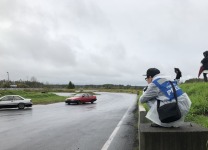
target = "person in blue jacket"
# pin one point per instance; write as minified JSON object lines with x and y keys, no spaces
{"x":160,"y":89}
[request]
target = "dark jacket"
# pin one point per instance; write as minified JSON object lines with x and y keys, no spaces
{"x":178,"y":75}
{"x":205,"y":60}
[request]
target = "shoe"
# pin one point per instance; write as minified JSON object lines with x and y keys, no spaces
{"x":155,"y":125}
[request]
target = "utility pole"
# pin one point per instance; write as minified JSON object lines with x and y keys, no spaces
{"x":8,"y":76}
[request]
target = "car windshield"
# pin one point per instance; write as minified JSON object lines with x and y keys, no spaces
{"x":78,"y":95}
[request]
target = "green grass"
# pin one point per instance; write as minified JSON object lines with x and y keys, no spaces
{"x":40,"y":96}
{"x":198,"y":93}
{"x":36,"y":96}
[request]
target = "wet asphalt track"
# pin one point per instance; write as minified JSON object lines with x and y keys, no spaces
{"x":70,"y":127}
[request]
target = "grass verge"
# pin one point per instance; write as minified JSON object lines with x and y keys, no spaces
{"x":36,"y":96}
{"x":199,"y":97}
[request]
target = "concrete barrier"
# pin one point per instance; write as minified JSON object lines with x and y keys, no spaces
{"x":190,"y":136}
{"x":142,"y":114}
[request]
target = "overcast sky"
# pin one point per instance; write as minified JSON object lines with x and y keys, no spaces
{"x":101,"y":41}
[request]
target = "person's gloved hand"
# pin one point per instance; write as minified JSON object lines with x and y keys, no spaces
{"x":145,"y":88}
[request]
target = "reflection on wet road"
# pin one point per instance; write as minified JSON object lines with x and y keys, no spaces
{"x":63,"y":127}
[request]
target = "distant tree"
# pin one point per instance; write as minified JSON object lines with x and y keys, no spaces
{"x":108,"y":86}
{"x":70,"y":85}
{"x":6,"y":85}
{"x":33,"y":79}
{"x":22,"y":85}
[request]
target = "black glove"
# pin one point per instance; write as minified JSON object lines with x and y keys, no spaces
{"x":145,"y":88}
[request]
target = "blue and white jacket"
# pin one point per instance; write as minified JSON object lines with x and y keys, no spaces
{"x":160,"y":89}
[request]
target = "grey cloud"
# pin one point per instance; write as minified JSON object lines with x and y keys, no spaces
{"x":101,"y":41}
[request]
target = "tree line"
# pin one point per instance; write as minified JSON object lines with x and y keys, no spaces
{"x":70,"y":85}
{"x":33,"y":83}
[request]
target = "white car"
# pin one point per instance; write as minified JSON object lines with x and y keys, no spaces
{"x":13,"y":101}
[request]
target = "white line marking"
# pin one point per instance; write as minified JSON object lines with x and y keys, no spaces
{"x":110,"y":139}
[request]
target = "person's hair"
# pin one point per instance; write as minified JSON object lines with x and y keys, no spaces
{"x":177,"y":69}
{"x":205,"y":54}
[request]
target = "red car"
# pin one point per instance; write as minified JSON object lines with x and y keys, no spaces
{"x":81,"y":98}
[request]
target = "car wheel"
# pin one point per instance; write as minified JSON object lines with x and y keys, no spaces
{"x":92,"y":102}
{"x":69,"y":103}
{"x":21,"y":106}
{"x":78,"y":103}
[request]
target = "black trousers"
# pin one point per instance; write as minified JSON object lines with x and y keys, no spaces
{"x":205,"y":77}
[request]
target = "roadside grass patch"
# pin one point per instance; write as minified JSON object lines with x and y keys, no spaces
{"x":198,"y":94}
{"x":36,"y":96}
{"x":199,"y":119}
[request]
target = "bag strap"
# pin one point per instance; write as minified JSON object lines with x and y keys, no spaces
{"x":158,"y":104}
{"x":174,"y":92}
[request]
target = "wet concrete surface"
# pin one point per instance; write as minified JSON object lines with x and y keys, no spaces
{"x":68,"y":127}
{"x":126,"y":137}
